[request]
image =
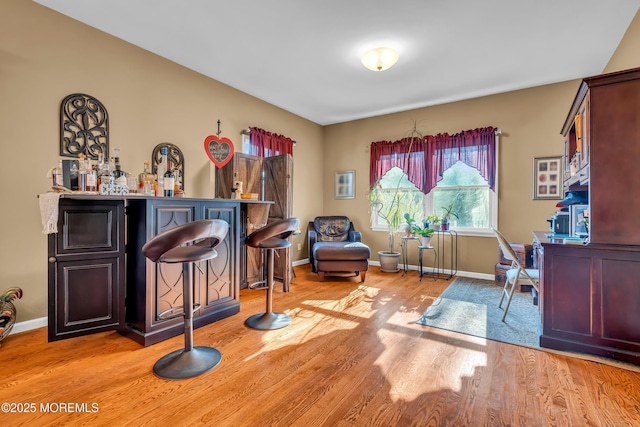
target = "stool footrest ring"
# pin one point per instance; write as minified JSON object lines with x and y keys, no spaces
{"x":260,"y":284}
{"x":173,"y":312}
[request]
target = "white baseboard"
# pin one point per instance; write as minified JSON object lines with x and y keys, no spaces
{"x":470,"y":274}
{"x":29,"y":325}
{"x":42,"y":321}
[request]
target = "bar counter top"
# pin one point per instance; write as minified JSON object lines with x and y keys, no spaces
{"x":96,"y":196}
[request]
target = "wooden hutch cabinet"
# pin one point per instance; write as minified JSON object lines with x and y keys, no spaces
{"x":590,"y":293}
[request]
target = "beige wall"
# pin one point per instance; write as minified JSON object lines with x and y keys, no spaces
{"x":45,"y":56}
{"x":627,"y":55}
{"x":531,"y":121}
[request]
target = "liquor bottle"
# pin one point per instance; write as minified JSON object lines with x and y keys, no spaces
{"x":56,"y":175}
{"x":92,"y":175}
{"x":105,"y":175}
{"x":169,"y":181}
{"x":132,"y":183}
{"x":73,"y":177}
{"x":162,"y":168}
{"x":82,"y":174}
{"x":146,"y":181}
{"x":119,"y":175}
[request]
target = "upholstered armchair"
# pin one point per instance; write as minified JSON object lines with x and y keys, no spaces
{"x":335,"y":246}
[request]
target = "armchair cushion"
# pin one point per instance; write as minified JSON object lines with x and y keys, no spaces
{"x":332,"y":228}
{"x":323,"y":251}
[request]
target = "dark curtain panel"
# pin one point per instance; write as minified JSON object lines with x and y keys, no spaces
{"x":267,"y":144}
{"x":408,"y":154}
{"x":425,"y":159}
{"x":476,"y":148}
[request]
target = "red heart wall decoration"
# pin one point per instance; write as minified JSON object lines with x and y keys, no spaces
{"x":219,"y":150}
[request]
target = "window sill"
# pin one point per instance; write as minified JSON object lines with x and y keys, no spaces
{"x":485,"y":232}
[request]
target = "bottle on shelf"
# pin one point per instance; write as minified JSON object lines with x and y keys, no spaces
{"x":132,"y":183}
{"x":82,"y":174}
{"x":169,"y":181}
{"x":73,"y":176}
{"x":56,"y":175}
{"x":162,"y":168}
{"x":119,"y":175}
{"x":105,"y":175}
{"x":92,"y":175}
{"x":146,"y":181}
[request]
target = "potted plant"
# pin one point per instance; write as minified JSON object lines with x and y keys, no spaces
{"x":390,"y":211}
{"x":423,"y":231}
{"x":434,"y":222}
{"x":411,"y":224}
{"x":448,"y":212}
{"x":389,"y":260}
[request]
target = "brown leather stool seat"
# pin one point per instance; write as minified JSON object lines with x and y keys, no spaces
{"x":271,"y":237}
{"x":167,"y":247}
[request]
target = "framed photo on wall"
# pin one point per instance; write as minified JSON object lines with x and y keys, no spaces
{"x":547,"y":178}
{"x":345,"y":185}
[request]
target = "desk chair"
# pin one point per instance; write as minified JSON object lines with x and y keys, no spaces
{"x":516,"y":275}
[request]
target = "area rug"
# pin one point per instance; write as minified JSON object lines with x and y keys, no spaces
{"x":470,"y":306}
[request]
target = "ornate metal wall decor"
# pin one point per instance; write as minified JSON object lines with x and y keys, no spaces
{"x":84,"y":127}
{"x":174,"y":154}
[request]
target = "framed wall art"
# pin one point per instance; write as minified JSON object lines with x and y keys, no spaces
{"x":547,"y":178}
{"x":345,"y":185}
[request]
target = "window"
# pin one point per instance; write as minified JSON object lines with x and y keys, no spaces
{"x":408,"y":198}
{"x":459,"y":170}
{"x":472,"y":199}
{"x":461,"y":185}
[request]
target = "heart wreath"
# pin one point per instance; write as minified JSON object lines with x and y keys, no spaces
{"x":219,"y":150}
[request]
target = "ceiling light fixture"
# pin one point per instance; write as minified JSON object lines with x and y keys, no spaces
{"x":379,"y":58}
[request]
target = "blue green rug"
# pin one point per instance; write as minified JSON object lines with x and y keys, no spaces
{"x":470,"y":306}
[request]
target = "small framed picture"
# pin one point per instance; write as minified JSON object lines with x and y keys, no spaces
{"x":345,"y":185}
{"x":547,"y":178}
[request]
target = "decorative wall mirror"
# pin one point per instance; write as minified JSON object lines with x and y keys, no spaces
{"x":174,"y":154}
{"x":84,"y":127}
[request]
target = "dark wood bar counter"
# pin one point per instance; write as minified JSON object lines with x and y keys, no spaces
{"x":99,"y":280}
{"x":590,"y":297}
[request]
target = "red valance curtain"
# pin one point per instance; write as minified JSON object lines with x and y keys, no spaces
{"x":424,"y":160}
{"x":267,"y":144}
{"x":408,"y":154}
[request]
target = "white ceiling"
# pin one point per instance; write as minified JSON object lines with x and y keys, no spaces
{"x":304,"y":56}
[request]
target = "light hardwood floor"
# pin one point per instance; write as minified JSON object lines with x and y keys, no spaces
{"x":353,"y":355}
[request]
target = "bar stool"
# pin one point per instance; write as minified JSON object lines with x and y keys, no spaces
{"x":167,"y":247}
{"x":270,"y":238}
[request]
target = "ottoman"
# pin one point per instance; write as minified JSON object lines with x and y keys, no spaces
{"x":341,"y":257}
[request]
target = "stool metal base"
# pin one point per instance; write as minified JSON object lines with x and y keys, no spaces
{"x":181,"y":364}
{"x":268,"y":321}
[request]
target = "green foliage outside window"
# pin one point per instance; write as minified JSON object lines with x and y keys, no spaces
{"x":461,"y":186}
